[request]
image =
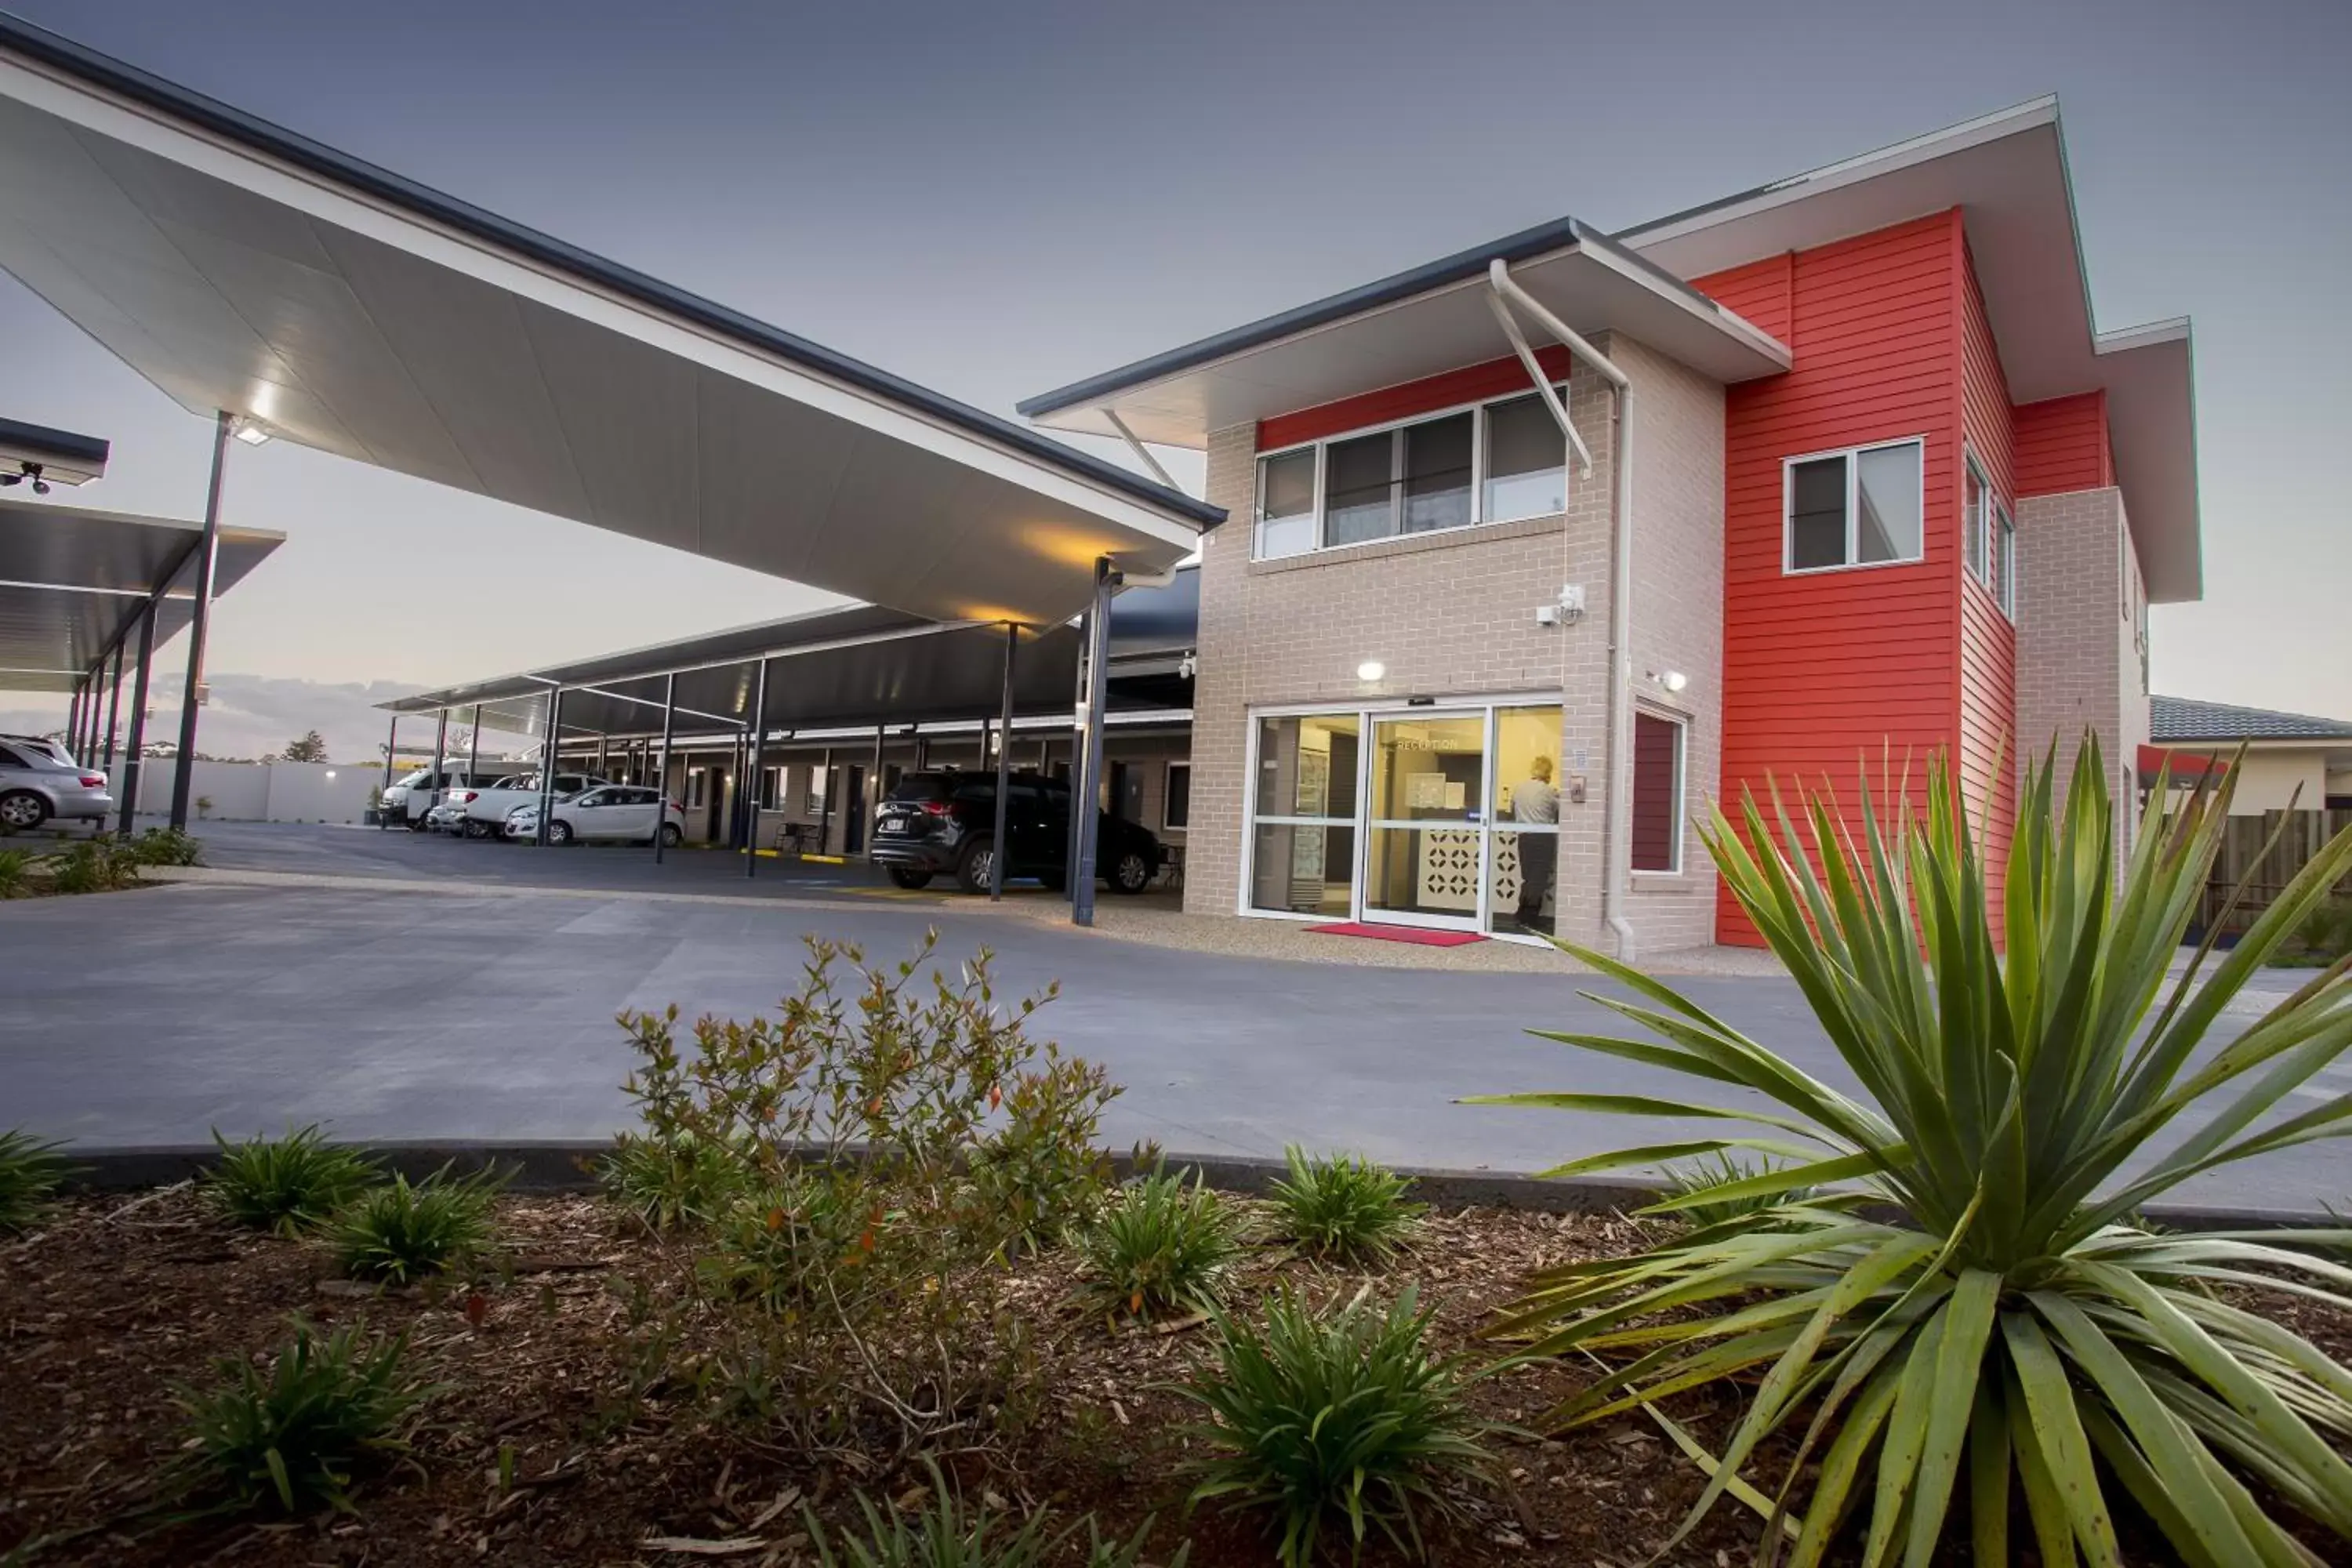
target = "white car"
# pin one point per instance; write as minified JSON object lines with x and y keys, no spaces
{"x":488,"y":807}
{"x":622,"y":812}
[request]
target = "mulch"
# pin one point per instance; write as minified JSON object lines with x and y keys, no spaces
{"x":545,"y":1354}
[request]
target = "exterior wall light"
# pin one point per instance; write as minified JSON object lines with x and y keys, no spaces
{"x":1370,"y":670}
{"x":1672,"y":679}
{"x":251,"y":434}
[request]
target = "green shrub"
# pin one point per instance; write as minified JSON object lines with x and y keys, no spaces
{"x":2324,"y":936}
{"x":1343,"y":1207}
{"x":96,"y":865}
{"x":16,"y":872}
{"x":399,"y":1232}
{"x":858,"y":1111}
{"x":289,"y":1184}
{"x":1160,"y":1246}
{"x":673,"y":1183}
{"x":945,"y":1532}
{"x":1335,"y":1420}
{"x":1701,"y":1186}
{"x":166,"y":847}
{"x":781,"y":1244}
{"x":293,"y":1438}
{"x":1042,"y":1169}
{"x":2018,"y":1324}
{"x":30,"y":1174}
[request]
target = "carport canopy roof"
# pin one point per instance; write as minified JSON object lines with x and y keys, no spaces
{"x":74,"y":580}
{"x":241,"y":268}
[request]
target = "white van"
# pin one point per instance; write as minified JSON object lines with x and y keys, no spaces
{"x":407,"y":800}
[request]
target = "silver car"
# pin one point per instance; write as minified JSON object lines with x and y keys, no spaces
{"x":40,"y":780}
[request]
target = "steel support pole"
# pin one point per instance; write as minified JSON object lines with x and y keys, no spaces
{"x":73,"y":722}
{"x":440,"y":758}
{"x":114,"y":705}
{"x":548,"y":764}
{"x":1088,"y":785}
{"x":661,"y":774}
{"x":756,"y":770}
{"x":474,"y":746}
{"x":134,"y":759}
{"x":825,"y":807}
{"x":1003,"y":845}
{"x":199,"y":624}
{"x":872,"y":804}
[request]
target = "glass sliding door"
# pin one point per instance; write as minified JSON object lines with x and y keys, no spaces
{"x":1303,"y":834}
{"x":1424,"y":861}
{"x":1524,"y":871}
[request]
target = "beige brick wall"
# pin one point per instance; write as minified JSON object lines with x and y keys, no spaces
{"x":1453,"y":615}
{"x":2078,"y":664}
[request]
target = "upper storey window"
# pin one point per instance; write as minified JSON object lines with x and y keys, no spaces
{"x":1494,"y":462}
{"x":1860,"y":507}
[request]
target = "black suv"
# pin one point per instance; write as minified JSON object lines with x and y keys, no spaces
{"x":931,"y":823}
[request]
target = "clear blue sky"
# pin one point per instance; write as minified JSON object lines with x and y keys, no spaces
{"x":996,"y":200}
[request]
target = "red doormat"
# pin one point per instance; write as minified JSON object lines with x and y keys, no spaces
{"x":1412,"y":935}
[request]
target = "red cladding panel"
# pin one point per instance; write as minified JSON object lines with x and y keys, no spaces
{"x":1496,"y":378}
{"x":1988,"y":686}
{"x":2062,"y":445}
{"x":1829,"y":674}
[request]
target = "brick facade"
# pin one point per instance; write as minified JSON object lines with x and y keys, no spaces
{"x":1453,"y":615}
{"x":2078,"y":662}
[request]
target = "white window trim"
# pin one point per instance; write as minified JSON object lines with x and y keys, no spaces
{"x":1168,"y":794}
{"x":1972,"y":559}
{"x":1789,"y":568}
{"x":1477,"y":410}
{"x":1681,"y":792}
{"x":2004,"y":589}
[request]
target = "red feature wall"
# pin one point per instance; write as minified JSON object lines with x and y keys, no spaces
{"x":2062,"y":445}
{"x":1988,"y":662}
{"x":1829,"y":674}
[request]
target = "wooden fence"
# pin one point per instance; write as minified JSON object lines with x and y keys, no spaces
{"x":2300,"y":836}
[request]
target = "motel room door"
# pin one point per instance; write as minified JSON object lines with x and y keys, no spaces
{"x":1425,"y":805}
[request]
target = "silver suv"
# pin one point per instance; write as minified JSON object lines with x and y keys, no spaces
{"x":40,"y":780}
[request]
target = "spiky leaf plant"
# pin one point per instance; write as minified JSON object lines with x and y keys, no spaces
{"x":1344,"y":1208}
{"x":2021,"y":1329}
{"x":31,"y":1171}
{"x":289,"y":1184}
{"x":1163,"y":1245}
{"x":399,"y":1234}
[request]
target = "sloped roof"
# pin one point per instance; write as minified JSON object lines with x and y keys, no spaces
{"x":2177,"y":719}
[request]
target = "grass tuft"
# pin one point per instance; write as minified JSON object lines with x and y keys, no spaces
{"x":1344,"y":1208}
{"x":671,"y":1183}
{"x":290,"y":1439}
{"x":1334,"y":1421}
{"x":1160,"y":1246}
{"x":289,"y":1184}
{"x":30,"y":1174}
{"x":398,"y":1233}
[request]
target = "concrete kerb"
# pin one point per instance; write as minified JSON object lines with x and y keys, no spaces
{"x":570,"y":1166}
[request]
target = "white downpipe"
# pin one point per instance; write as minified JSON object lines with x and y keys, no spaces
{"x":1614,"y":827}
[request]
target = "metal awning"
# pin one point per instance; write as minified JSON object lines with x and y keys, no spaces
{"x":243,"y":268}
{"x":860,"y":665}
{"x":74,"y":581}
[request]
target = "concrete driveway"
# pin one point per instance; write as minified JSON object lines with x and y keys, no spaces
{"x":152,"y":1016}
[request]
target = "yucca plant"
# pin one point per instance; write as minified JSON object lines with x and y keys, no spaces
{"x":400,"y":1233}
{"x":1333,"y":1421}
{"x":289,"y":1184}
{"x":292,"y":1437}
{"x":2017,"y":1325}
{"x":1344,"y":1208}
{"x":1162,"y":1245}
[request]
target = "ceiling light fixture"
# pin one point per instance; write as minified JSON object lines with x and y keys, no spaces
{"x":251,"y":433}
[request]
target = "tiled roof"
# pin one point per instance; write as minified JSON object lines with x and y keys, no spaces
{"x":2175,"y":719}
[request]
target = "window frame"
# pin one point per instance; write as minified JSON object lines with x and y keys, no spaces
{"x":1393,"y":429}
{"x":2004,"y":583}
{"x":1976,"y":530}
{"x":1853,"y":459}
{"x":1168,"y":795}
{"x":1679,"y":809}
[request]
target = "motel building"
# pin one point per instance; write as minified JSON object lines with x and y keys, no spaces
{"x":1506,"y":565}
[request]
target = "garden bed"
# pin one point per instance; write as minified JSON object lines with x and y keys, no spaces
{"x":546,"y":1352}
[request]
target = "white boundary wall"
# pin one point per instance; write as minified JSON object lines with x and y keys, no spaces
{"x":263,"y":792}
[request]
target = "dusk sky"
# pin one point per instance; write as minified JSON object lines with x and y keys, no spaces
{"x":996,"y":200}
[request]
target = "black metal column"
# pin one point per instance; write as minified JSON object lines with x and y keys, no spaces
{"x":1002,"y":851}
{"x":548,"y":762}
{"x":474,"y":747}
{"x":872,"y":804}
{"x":200,"y":625}
{"x":114,"y":705}
{"x":661,"y":774}
{"x":1087,"y":786}
{"x":825,"y":807}
{"x":134,"y":752}
{"x":755,"y":774}
{"x":391,"y":750}
{"x":73,"y":722}
{"x":440,"y":758}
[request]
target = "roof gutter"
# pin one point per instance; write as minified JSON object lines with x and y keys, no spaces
{"x":1614,"y":833}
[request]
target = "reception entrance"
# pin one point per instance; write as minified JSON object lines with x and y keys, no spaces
{"x":1445,"y":818}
